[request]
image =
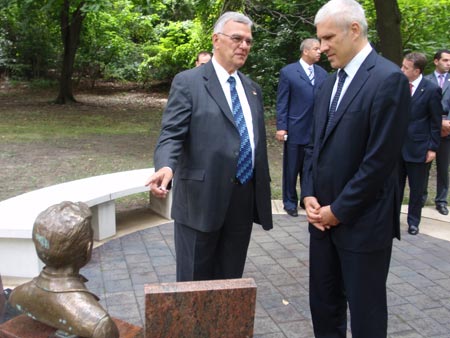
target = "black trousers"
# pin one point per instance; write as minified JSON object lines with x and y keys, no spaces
{"x":219,"y":254}
{"x":339,"y":276}
{"x":442,"y":179}
{"x":292,"y":170}
{"x":417,"y":180}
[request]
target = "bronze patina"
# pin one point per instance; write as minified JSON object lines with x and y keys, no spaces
{"x":58,"y":297}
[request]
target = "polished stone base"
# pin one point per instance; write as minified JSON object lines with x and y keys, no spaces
{"x":220,"y":308}
{"x":25,"y":327}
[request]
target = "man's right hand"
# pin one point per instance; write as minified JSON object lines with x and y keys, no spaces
{"x":312,"y":208}
{"x":159,"y":181}
{"x":280,"y":135}
{"x":445,"y":129}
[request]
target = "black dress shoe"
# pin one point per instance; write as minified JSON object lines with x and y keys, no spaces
{"x":292,"y":212}
{"x":442,"y":209}
{"x":413,"y":230}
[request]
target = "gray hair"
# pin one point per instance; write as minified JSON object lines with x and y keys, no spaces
{"x":307,"y":44}
{"x":231,"y":16}
{"x":344,"y":12}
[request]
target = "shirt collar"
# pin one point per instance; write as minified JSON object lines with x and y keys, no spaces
{"x":222,"y":74}
{"x":437,"y":74}
{"x":416,"y":82}
{"x":352,"y":67}
{"x":305,"y":66}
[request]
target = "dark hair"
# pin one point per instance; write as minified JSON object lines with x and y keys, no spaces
{"x":439,"y":53}
{"x":203,"y":52}
{"x":419,"y":60}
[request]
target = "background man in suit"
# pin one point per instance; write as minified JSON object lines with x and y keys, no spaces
{"x":202,"y":58}
{"x":221,"y":182}
{"x":442,"y":78}
{"x":295,"y":103}
{"x":350,"y":178}
{"x":422,"y":138}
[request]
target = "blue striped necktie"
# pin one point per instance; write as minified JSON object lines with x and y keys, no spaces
{"x":341,"y":75}
{"x":244,"y":167}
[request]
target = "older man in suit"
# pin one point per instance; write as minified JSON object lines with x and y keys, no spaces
{"x":295,"y":103}
{"x":350,"y":178}
{"x":213,"y":145}
{"x":441,"y":77}
{"x":422,"y":140}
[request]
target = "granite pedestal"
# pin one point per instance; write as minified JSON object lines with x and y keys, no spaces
{"x":220,"y":308}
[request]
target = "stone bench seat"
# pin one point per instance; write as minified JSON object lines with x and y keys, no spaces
{"x":17,"y":214}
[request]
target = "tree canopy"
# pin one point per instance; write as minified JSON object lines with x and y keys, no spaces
{"x":149,"y":41}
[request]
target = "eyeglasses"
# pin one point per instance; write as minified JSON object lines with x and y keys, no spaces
{"x":238,"y":39}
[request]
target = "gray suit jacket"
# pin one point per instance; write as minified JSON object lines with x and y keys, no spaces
{"x":200,"y":142}
{"x":445,"y":91}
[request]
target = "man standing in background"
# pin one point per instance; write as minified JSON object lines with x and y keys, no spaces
{"x":295,"y":103}
{"x":422,"y":139}
{"x":442,"y":78}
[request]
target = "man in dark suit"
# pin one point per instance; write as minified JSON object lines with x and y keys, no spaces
{"x":350,"y":178}
{"x":422,"y":138}
{"x":213,"y":144}
{"x":295,"y":103}
{"x":442,"y":78}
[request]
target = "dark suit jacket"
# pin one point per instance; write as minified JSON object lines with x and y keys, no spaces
{"x":295,"y":101}
{"x":353,"y":167}
{"x":200,"y":142}
{"x":424,"y":127}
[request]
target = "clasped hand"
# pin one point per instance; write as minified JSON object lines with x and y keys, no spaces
{"x":320,"y":216}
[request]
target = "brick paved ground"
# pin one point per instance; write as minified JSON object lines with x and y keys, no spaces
{"x":418,"y":284}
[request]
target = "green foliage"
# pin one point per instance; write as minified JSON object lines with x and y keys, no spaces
{"x":424,"y":26}
{"x":29,"y":41}
{"x":151,"y":40}
{"x":280,"y":27}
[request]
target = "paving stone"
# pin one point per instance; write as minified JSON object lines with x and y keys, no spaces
{"x":278,"y":260}
{"x":284,"y":313}
{"x":300,"y":329}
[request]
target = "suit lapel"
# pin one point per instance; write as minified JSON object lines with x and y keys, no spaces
{"x":214,"y":89}
{"x":419,"y":91}
{"x":325,"y":104}
{"x":301,"y":72}
{"x":353,"y":89}
{"x":252,"y":98}
{"x":446,"y":85}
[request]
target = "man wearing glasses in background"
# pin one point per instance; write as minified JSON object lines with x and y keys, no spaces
{"x":213,"y":145}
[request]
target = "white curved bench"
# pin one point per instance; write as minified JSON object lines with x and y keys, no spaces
{"x":18,"y":256}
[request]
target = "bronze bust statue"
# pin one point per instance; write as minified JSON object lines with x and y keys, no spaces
{"x":58,"y":297}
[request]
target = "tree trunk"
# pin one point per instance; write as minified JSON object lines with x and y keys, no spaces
{"x":388,"y":28}
{"x":233,"y":5}
{"x":70,"y":33}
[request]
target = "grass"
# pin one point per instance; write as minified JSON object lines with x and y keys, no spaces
{"x":111,"y":129}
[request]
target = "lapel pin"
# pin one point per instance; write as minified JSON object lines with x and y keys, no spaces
{"x":253,"y":92}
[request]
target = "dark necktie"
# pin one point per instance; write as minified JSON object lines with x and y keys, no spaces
{"x":341,"y":75}
{"x":244,"y":167}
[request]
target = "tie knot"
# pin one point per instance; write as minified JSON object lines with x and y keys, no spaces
{"x":232,"y":80}
{"x":342,"y":75}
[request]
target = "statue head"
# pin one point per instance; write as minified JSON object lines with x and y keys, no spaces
{"x":63,"y":236}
